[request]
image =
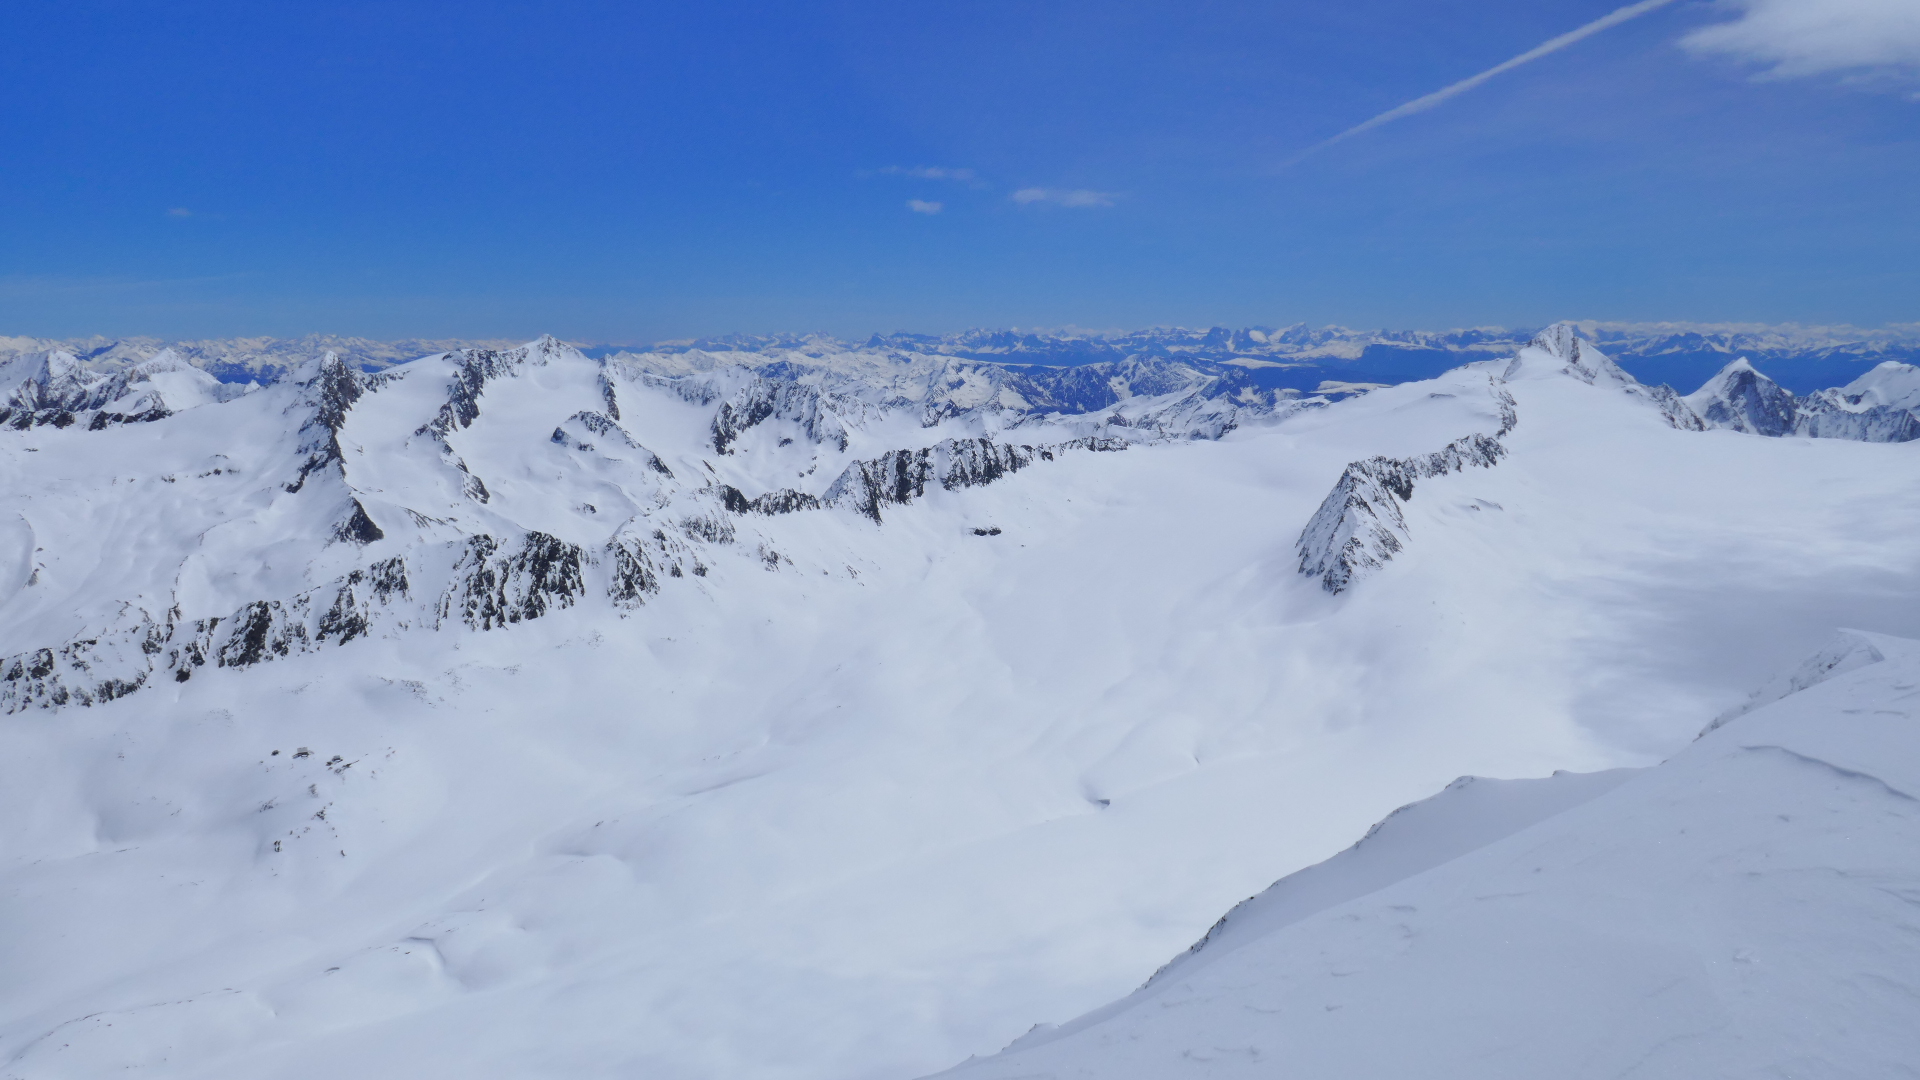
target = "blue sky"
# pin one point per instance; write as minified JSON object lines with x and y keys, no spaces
{"x":636,"y":171}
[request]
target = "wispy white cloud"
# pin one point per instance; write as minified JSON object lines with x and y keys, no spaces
{"x":179,"y":211}
{"x":1422,"y":104}
{"x":921,"y":206}
{"x":1077,"y":198}
{"x":931,"y":172}
{"x":1865,"y":40}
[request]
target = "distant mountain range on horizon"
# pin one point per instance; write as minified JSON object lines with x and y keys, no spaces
{"x":1299,"y":357}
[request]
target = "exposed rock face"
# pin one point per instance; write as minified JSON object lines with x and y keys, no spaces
{"x":492,"y":585}
{"x":1742,"y":399}
{"x":53,"y":389}
{"x":493,"y":590}
{"x":766,"y":399}
{"x":1360,"y":526}
{"x":336,"y":467}
{"x":328,"y":392}
{"x":1881,"y":406}
{"x":1823,"y":415}
{"x":899,"y":477}
{"x":358,"y":527}
{"x":1877,"y":407}
{"x":473,"y":370}
{"x":782,"y":501}
{"x":586,"y":430}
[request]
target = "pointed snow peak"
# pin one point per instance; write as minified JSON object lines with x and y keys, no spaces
{"x":1738,"y":373}
{"x":1561,"y":341}
{"x":1740,"y":398}
{"x":329,"y":387}
{"x":164,"y":360}
{"x":1582,"y":359}
{"x":546,"y":348}
{"x":326,"y":367}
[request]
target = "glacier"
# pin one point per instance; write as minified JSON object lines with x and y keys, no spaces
{"x":778,"y":712}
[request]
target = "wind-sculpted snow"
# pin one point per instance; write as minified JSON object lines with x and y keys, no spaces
{"x":1743,"y":909}
{"x":1849,"y":650}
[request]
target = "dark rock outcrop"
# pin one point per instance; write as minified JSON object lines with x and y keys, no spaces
{"x":1360,"y":526}
{"x":900,"y":476}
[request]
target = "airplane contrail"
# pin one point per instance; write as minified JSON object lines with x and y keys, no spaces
{"x":1422,"y":104}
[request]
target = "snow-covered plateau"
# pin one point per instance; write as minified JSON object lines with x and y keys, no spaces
{"x":515,"y":712}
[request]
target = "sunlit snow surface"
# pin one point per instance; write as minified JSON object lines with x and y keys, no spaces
{"x":1745,"y":909}
{"x":864,"y":809}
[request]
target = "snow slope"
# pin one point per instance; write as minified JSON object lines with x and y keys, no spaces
{"x":517,"y":713}
{"x":1743,"y":909}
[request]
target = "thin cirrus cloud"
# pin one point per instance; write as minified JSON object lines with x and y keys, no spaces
{"x":922,"y":206}
{"x":1552,"y":45}
{"x":179,"y":211}
{"x":1865,"y":40}
{"x":1074,"y":198}
{"x":931,"y":172}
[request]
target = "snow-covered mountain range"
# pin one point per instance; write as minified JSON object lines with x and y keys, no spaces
{"x":806,"y":711}
{"x":1296,"y":357}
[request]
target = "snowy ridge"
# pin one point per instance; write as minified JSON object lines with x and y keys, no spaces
{"x":1360,"y":526}
{"x":900,"y":477}
{"x":401,"y":530}
{"x":1562,"y":343}
{"x":1849,"y":649}
{"x":480,"y":584}
{"x":53,"y":389}
{"x":1635,"y":921}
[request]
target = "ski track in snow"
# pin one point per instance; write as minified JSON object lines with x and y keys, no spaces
{"x":803,"y":794}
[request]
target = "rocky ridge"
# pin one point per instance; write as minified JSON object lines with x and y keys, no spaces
{"x":410,"y":517}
